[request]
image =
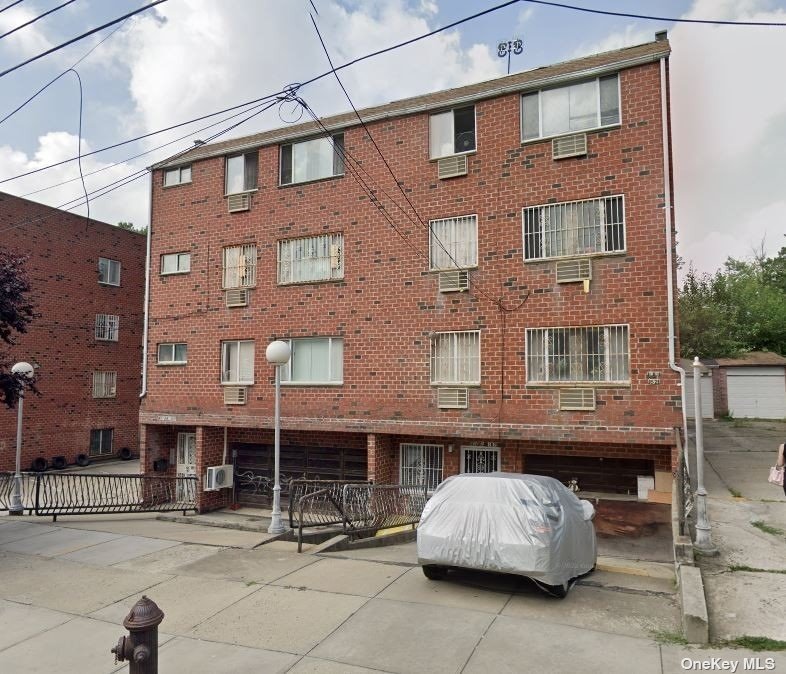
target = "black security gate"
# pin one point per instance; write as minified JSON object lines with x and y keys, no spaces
{"x":591,"y":473}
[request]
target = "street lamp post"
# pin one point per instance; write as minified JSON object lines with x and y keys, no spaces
{"x":277,"y":354}
{"x":703,"y":530}
{"x":16,"y":506}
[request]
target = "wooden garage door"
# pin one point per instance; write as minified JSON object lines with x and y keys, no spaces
{"x":593,"y":473}
{"x":756,"y":392}
{"x":316,"y":463}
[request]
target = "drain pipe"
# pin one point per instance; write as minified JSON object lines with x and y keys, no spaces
{"x":147,"y":291}
{"x":664,"y":108}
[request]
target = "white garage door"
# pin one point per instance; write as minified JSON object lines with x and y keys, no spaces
{"x":706,"y":397}
{"x":756,"y":392}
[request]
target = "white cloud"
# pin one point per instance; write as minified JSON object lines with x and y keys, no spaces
{"x":632,"y":35}
{"x":25,"y":42}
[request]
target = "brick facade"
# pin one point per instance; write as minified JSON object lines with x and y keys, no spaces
{"x":388,"y":304}
{"x":63,"y":252}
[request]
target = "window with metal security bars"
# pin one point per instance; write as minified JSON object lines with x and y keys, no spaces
{"x":479,"y":459}
{"x":598,"y":354}
{"x":237,"y":362}
{"x":453,"y":243}
{"x":107,"y":327}
{"x":315,"y":360}
{"x":574,"y":228}
{"x":455,"y":358}
{"x":101,"y":441}
{"x":241,"y":173}
{"x":240,"y":266}
{"x":421,"y":465}
{"x":104,"y":384}
{"x":312,"y":258}
{"x":108,"y":271}
{"x":313,"y":159}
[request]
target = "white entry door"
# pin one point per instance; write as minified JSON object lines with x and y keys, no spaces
{"x":186,"y":464}
{"x":479,"y":459}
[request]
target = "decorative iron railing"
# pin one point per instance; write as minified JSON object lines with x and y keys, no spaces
{"x":26,"y":490}
{"x":684,"y":487}
{"x":319,"y":510}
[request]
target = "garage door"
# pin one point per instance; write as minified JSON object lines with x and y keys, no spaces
{"x":706,"y":398}
{"x":592,"y":473}
{"x":758,"y":392}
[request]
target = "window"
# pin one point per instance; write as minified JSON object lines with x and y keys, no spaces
{"x":172,"y":354}
{"x":313,"y":258}
{"x":177,"y":176}
{"x":453,"y":243}
{"x":455,"y":358}
{"x":315,"y":360}
{"x":312,"y":159}
{"x":587,"y":355}
{"x":479,"y":459}
{"x":587,"y":105}
{"x":104,"y":384}
{"x":108,"y":271}
{"x":101,"y":441}
{"x":240,"y":266}
{"x":107,"y":327}
{"x":175,"y":263}
{"x":452,"y":132}
{"x":237,"y":362}
{"x":574,"y":228}
{"x":241,"y":173}
{"x":421,"y":465}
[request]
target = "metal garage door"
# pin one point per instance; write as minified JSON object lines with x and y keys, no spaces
{"x":592,"y":473}
{"x":756,"y":392}
{"x":706,"y":398}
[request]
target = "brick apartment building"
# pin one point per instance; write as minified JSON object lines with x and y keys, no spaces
{"x":87,"y":282}
{"x":512,"y":312}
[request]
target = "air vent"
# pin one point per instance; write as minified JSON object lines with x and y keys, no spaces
{"x":236,"y":297}
{"x":577,"y":399}
{"x":238,"y":202}
{"x":570,"y":271}
{"x":453,"y":281}
{"x":569,"y":146}
{"x":452,"y":167}
{"x":452,"y":398}
{"x":234,"y":395}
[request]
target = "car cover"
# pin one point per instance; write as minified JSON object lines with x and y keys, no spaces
{"x":529,"y":525}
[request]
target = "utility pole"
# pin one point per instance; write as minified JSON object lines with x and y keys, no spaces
{"x":510,"y":47}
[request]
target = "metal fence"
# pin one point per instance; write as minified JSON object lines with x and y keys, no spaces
{"x":319,"y":508}
{"x":53,"y":494}
{"x":684,"y":488}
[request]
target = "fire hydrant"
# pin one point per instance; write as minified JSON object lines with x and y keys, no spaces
{"x":140,"y":647}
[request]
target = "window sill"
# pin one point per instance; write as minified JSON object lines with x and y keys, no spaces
{"x":172,"y":363}
{"x":455,"y":154}
{"x":238,"y":287}
{"x":573,"y":256}
{"x":332,"y":384}
{"x":473,"y":267}
{"x":594,"y":129}
{"x":453,"y":384}
{"x":237,"y":383}
{"x":174,"y":273}
{"x":310,"y":282}
{"x":576,"y":384}
{"x":106,"y":283}
{"x":185,"y":182}
{"x":111,"y":341}
{"x":232,"y":194}
{"x":311,"y":182}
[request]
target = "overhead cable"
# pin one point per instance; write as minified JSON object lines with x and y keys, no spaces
{"x":37,"y":18}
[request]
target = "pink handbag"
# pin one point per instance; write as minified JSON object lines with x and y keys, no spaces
{"x":776,"y":476}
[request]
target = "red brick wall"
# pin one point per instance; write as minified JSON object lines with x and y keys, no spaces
{"x":63,"y":269}
{"x":388,"y":304}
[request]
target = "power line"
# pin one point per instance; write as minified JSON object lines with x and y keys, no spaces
{"x":38,"y":18}
{"x":80,"y":37}
{"x":11,"y":5}
{"x":81,"y":174}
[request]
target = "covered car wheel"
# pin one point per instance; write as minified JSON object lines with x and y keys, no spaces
{"x":559,"y":591}
{"x":434,"y":572}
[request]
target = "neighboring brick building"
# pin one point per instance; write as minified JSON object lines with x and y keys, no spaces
{"x":394,"y":377}
{"x":86,"y":340}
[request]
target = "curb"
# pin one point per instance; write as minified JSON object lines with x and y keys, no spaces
{"x":635,"y":568}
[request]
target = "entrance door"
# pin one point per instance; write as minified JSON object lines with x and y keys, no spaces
{"x":479,"y":459}
{"x":185,"y":464}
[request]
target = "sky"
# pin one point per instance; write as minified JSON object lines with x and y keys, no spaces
{"x":188,"y":58}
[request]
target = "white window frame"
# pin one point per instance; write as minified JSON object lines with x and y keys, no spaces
{"x":173,"y":348}
{"x":179,"y":257}
{"x":332,"y":141}
{"x":604,"y":358}
{"x":539,"y":92}
{"x":436,"y":250}
{"x":179,"y":170}
{"x":543,"y":234}
{"x":288,"y":260}
{"x":455,"y":337}
{"x":226,"y":375}
{"x":107,"y":327}
{"x":244,"y":273}
{"x":479,"y":448}
{"x":247,"y":187}
{"x":286,"y":370}
{"x":110,"y":264}
{"x":104,"y":384}
{"x":433,"y":473}
{"x":453,"y":131}
{"x":101,"y":451}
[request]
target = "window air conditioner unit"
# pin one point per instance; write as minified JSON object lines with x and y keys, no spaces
{"x":452,"y":167}
{"x":570,"y":271}
{"x":579,"y":399}
{"x":219,"y":477}
{"x":453,"y":281}
{"x":238,"y":202}
{"x":236,"y":297}
{"x":569,"y":146}
{"x":234,"y":395}
{"x":452,"y":398}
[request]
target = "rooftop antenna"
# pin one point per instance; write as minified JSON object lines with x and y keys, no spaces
{"x":510,"y":47}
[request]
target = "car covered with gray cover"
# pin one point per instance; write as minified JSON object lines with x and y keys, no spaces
{"x":529,"y":525}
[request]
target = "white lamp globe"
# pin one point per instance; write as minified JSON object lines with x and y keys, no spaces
{"x":277,"y":353}
{"x":24,"y":369}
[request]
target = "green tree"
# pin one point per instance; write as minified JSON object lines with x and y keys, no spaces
{"x":130,"y":227}
{"x":16,"y":312}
